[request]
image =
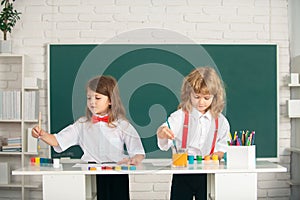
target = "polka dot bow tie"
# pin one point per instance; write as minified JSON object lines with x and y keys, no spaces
{"x":96,"y":119}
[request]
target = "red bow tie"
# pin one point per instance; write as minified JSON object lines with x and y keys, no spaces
{"x":96,"y":119}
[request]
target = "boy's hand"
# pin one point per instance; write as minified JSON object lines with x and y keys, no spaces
{"x":165,"y":133}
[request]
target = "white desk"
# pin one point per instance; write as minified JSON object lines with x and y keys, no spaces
{"x":78,"y":182}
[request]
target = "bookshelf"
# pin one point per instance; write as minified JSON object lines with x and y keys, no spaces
{"x":294,"y":114}
{"x":14,"y":122}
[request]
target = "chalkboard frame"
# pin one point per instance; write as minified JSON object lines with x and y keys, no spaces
{"x":274,"y":157}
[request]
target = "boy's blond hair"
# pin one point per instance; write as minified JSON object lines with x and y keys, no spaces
{"x":203,"y":80}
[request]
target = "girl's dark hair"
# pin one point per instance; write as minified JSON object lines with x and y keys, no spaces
{"x":107,"y":85}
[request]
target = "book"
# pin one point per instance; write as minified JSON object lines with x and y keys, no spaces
{"x":31,"y":142}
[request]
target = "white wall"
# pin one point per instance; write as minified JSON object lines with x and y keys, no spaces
{"x":202,"y":21}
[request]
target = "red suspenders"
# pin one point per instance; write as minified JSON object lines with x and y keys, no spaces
{"x":185,"y":129}
{"x":185,"y":133}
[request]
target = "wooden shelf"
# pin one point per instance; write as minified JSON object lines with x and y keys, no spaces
{"x":31,"y":153}
{"x":33,"y":186}
{"x":294,"y":85}
{"x":31,"y":120}
{"x":10,"y":153}
{"x":14,"y":185}
{"x":294,"y":150}
{"x":10,"y":120}
{"x":19,"y":185}
{"x":10,"y":55}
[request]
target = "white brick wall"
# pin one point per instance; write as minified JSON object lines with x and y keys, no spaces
{"x":214,"y":21}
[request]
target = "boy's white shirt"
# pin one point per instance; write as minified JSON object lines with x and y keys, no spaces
{"x":99,"y":142}
{"x":201,"y":130}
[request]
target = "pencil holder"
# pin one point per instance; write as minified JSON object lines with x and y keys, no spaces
{"x":241,"y":157}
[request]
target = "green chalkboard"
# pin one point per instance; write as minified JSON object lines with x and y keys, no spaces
{"x":150,"y":77}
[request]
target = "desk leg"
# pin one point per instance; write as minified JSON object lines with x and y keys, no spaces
{"x":61,"y":187}
{"x":91,"y":186}
{"x":236,"y":186}
{"x":210,"y":186}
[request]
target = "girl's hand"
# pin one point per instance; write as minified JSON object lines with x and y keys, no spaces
{"x":44,"y":136}
{"x":136,"y":160}
{"x":36,"y":132}
{"x":165,"y":133}
{"x":123,"y":161}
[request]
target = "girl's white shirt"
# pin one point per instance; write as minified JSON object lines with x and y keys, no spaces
{"x":99,"y":142}
{"x":201,"y":130}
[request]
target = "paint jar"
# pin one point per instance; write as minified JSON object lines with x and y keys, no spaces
{"x":191,"y":159}
{"x":199,"y":159}
{"x":179,"y":157}
{"x":56,"y":163}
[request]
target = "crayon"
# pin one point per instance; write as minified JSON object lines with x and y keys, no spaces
{"x":132,"y":167}
{"x":124,"y":167}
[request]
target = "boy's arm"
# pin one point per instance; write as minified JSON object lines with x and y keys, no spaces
{"x":220,"y":154}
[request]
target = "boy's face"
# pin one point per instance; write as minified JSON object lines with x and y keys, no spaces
{"x":201,"y":102}
{"x":97,"y":103}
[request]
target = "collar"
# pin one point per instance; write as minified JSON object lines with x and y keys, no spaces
{"x":199,"y":115}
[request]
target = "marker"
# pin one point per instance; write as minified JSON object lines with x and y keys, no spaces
{"x":92,"y":168}
{"x":250,"y":140}
{"x":235,"y":135}
{"x":174,"y":142}
{"x":40,"y":126}
{"x":243,"y":138}
{"x":253,"y":137}
{"x":230,"y":137}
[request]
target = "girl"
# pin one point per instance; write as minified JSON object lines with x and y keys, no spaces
{"x":101,"y":134}
{"x":199,"y":126}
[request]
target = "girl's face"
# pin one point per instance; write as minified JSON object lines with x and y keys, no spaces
{"x":201,"y":102}
{"x":97,"y":103}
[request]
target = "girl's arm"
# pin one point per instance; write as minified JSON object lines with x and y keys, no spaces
{"x":135,"y":160}
{"x":48,"y":138}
